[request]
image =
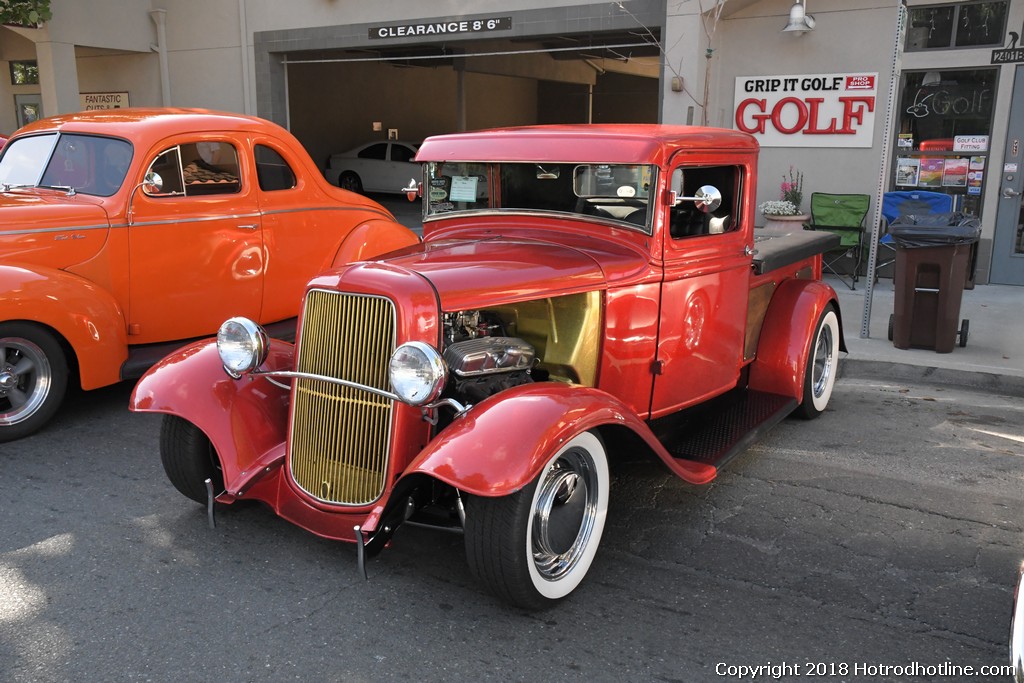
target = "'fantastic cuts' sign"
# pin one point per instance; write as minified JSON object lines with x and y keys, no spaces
{"x":816,"y":110}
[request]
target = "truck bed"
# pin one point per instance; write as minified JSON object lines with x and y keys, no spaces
{"x":775,"y":249}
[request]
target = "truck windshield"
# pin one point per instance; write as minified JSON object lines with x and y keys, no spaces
{"x":90,"y":164}
{"x":617,"y":193}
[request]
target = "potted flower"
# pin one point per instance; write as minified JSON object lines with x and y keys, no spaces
{"x":784,"y":211}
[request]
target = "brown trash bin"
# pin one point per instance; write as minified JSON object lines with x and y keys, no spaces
{"x":932,"y":263}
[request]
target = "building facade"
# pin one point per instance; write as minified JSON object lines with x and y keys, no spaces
{"x":859,"y":96}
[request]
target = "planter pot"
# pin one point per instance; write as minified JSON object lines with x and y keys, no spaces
{"x":794,"y":222}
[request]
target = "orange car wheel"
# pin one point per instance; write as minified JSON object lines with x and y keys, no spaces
{"x":33,"y":378}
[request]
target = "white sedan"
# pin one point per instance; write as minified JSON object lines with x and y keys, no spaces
{"x":384,"y":166}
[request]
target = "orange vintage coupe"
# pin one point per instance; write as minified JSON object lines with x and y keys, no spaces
{"x":125,"y":233}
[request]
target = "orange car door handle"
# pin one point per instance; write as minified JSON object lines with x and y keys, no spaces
{"x":249,"y":226}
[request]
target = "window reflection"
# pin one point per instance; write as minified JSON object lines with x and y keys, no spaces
{"x":945,"y":131}
{"x":969,"y":24}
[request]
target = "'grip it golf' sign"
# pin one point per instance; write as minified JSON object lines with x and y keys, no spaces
{"x":816,"y":110}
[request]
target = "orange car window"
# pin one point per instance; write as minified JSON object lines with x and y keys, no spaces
{"x":198,"y":168}
{"x":272,"y":171}
{"x":210,"y":168}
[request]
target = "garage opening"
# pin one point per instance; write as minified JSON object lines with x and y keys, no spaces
{"x":341,"y":99}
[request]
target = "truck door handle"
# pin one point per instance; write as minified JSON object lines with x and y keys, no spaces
{"x":1010,"y":193}
{"x":249,"y":226}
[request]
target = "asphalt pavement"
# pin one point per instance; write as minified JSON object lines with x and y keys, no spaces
{"x":881,"y":536}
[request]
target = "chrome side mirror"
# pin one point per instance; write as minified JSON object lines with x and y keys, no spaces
{"x":708,"y":198}
{"x":413,"y":190}
{"x":151,"y":184}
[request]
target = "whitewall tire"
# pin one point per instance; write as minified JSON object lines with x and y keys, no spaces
{"x":822,"y":366}
{"x":534,"y":547}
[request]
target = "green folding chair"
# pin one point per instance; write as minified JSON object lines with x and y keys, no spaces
{"x":842,"y":214}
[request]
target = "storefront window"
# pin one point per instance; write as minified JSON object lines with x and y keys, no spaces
{"x":965,"y":24}
{"x":945,"y":130}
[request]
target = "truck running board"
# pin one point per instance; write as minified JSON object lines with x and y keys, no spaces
{"x":718,"y":431}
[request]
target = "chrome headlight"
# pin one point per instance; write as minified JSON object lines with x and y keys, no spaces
{"x":242,"y":345}
{"x":417,"y":373}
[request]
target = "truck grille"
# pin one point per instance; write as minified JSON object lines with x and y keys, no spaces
{"x":341,"y":436}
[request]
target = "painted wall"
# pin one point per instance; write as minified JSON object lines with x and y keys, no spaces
{"x":204,"y":56}
{"x":849,"y":37}
{"x":269,"y":15}
{"x":131,"y":73}
{"x":12,"y":48}
{"x":108,"y":24}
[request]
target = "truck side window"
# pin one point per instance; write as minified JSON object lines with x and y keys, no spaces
{"x":686,"y":219}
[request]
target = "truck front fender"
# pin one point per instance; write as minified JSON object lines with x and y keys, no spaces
{"x":786,"y":334}
{"x":371,"y":239}
{"x":84,"y":314}
{"x":500,"y":445}
{"x":244,"y":419}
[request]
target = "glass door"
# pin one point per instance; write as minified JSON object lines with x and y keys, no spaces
{"x":1008,"y":243}
{"x":945,"y":124}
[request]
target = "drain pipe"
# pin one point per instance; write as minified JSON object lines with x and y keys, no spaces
{"x":243,"y":30}
{"x":159,"y":17}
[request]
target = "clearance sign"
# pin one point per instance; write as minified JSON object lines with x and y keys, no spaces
{"x":815,"y":110}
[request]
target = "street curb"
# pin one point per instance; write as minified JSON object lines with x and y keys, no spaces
{"x":1005,"y":385}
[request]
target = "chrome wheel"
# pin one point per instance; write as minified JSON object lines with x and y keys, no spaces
{"x":33,"y":378}
{"x":823,"y":363}
{"x":565,"y":513}
{"x":822,"y":366}
{"x":25,"y":380}
{"x":534,"y":547}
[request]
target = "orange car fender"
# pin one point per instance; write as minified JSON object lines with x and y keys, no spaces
{"x":84,"y":314}
{"x":371,"y":239}
{"x":500,"y":445}
{"x":786,"y":334}
{"x":244,"y":418}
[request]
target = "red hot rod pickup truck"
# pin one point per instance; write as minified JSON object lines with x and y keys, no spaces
{"x":580,"y":292}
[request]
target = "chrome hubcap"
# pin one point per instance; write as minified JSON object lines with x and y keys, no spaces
{"x":25,"y":378}
{"x":565,"y":513}
{"x":822,"y":370}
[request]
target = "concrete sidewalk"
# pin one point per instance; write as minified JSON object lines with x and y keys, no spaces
{"x":992,"y":360}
